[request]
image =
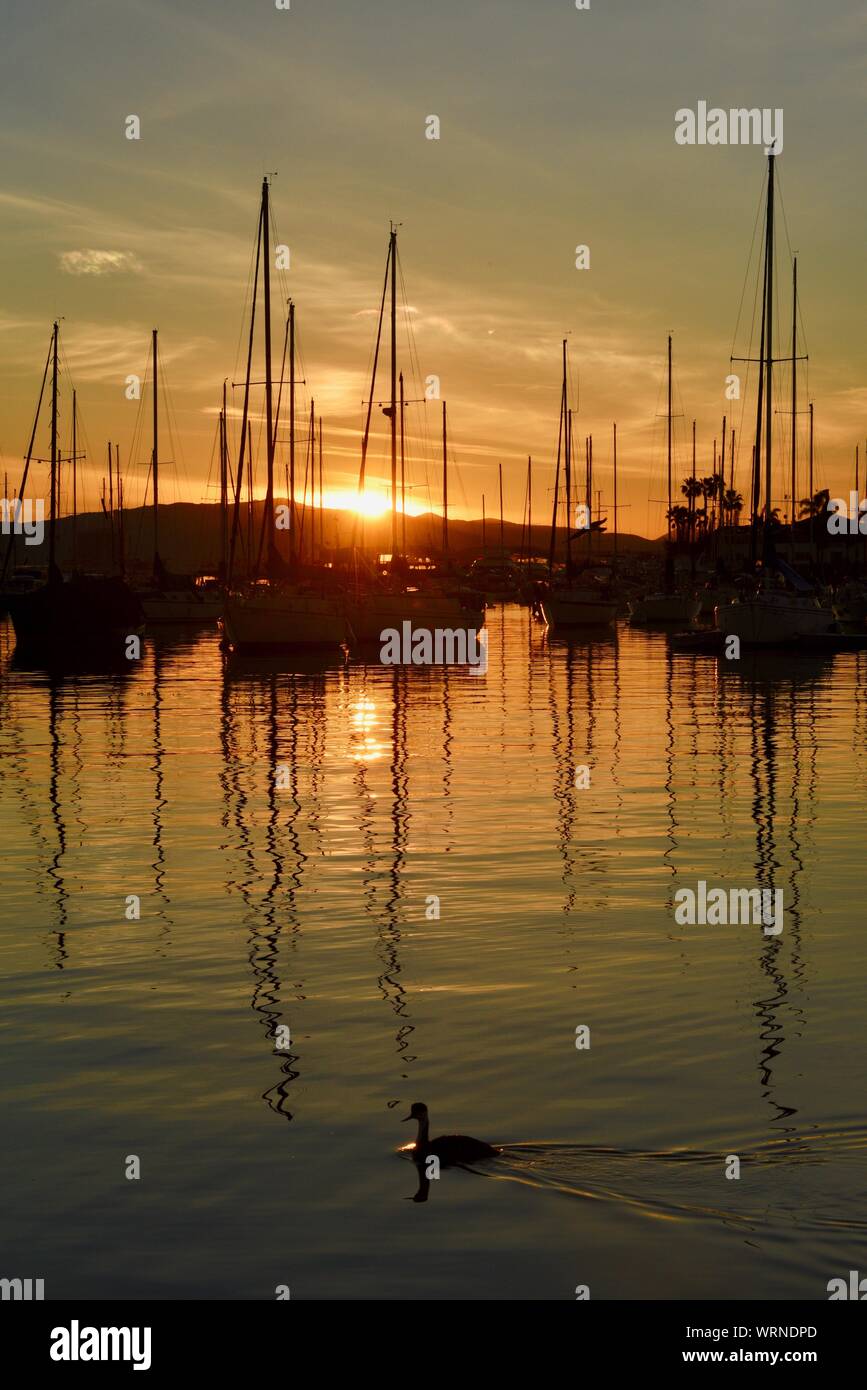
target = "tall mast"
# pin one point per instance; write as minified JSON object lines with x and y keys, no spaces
{"x":529,"y":507}
{"x":445,"y":485}
{"x":794,"y":390}
{"x":269,"y":407}
{"x":312,"y":479}
{"x":567,"y":445}
{"x":723,"y":455}
{"x":251,"y":564}
{"x":502,"y":539}
{"x":74,"y":480}
{"x":52,"y":520}
{"x":668,"y":438}
{"x":402,"y":470}
{"x":393,"y":411}
{"x":111,"y":505}
{"x":811,"y":451}
{"x":769,"y":366}
{"x":321,"y":498}
{"x":121,"y":539}
{"x":156,"y":454}
{"x":224,"y":486}
{"x":589,"y":494}
{"x":615,"y":489}
{"x":567,"y":461}
{"x":291,"y":432}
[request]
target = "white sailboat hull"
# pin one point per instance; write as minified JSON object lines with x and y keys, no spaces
{"x":665,"y":608}
{"x":373,"y":614}
{"x":578,"y":608}
{"x":770,"y":619}
{"x":180,"y":606}
{"x":281,"y":620}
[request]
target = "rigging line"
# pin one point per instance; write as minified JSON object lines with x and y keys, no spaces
{"x":10,"y":542}
{"x":366,"y":435}
{"x":236,"y":515}
{"x":759,"y":214}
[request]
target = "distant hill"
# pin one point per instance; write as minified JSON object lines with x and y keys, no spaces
{"x":189,"y":537}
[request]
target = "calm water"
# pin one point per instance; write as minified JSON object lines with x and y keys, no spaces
{"x":305,"y":906}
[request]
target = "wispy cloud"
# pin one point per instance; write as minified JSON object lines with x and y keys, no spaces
{"x":92,"y":262}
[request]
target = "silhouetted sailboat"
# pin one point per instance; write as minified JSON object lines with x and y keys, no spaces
{"x":572,"y":601}
{"x":275,"y":610}
{"x":84,"y":613}
{"x":774,"y":614}
{"x":668,"y":606}
{"x":171,"y":598}
{"x":393,"y":600}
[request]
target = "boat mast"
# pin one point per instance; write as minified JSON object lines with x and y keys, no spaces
{"x":111,"y":504}
{"x":567,"y":459}
{"x":312,"y":481}
{"x":445,"y":486}
{"x":769,"y":367}
{"x":291,"y":432}
{"x":156,"y":458}
{"x":811,"y":451}
{"x":589,"y":495}
{"x":121,"y":538}
{"x":484,"y":532}
{"x":502,"y":540}
{"x":794,"y":394}
{"x":52,"y":520}
{"x":668,"y":438}
{"x":393,"y":410}
{"x":402,"y":470}
{"x":615,"y":489}
{"x":321,"y":497}
{"x":568,"y":464}
{"x":224,"y":487}
{"x":529,"y":507}
{"x":74,"y":481}
{"x":269,"y":399}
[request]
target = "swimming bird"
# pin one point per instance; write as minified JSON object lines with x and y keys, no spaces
{"x":448,"y":1148}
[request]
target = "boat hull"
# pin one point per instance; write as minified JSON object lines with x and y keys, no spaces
{"x":375,"y":613}
{"x":773,"y":620}
{"x":283,"y":622}
{"x":665,"y":608}
{"x":76,"y":616}
{"x":578,"y":610}
{"x":180,"y":607}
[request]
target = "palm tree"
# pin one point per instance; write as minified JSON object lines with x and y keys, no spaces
{"x":815,"y":505}
{"x":813,"y":508}
{"x":733,"y":503}
{"x":691,"y":489}
{"x":708,"y":491}
{"x":680,"y":518}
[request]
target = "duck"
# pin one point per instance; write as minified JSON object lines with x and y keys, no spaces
{"x":448,"y":1148}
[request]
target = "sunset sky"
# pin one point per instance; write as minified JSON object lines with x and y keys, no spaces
{"x":557,"y":128}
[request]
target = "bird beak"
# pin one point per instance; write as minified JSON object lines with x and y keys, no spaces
{"x":405,"y":1118}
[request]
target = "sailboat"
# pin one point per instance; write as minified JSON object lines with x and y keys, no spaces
{"x":667,"y":606}
{"x":82,"y":614}
{"x":392,"y":601}
{"x":275,"y":610}
{"x":574,"y":601}
{"x":171,"y":598}
{"x":774,"y":614}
